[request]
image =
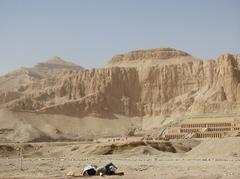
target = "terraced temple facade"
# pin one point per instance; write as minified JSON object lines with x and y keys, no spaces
{"x":205,"y":128}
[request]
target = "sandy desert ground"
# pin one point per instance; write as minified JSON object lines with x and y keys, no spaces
{"x":207,"y":158}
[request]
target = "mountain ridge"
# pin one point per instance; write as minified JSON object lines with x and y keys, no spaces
{"x":150,"y":57}
{"x":53,"y":102}
{"x":27,"y":75}
{"x":157,"y":89}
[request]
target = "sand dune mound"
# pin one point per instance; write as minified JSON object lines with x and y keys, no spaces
{"x":217,"y":148}
{"x":139,"y":147}
{"x":13,"y":150}
{"x":76,"y":150}
{"x":7,"y":150}
{"x":35,"y":127}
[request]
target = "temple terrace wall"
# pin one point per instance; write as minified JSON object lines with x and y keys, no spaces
{"x":204,"y":129}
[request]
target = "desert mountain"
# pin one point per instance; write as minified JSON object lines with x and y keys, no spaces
{"x":24,"y":76}
{"x":55,"y":65}
{"x":139,"y":84}
{"x":185,"y":86}
{"x":57,"y":61}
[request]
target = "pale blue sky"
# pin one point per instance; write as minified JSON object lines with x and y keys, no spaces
{"x":90,"y":32}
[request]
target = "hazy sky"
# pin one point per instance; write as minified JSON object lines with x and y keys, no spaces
{"x":89,"y":32}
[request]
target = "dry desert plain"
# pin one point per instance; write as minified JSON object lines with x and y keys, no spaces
{"x":190,"y":158}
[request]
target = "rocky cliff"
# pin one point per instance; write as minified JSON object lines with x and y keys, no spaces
{"x":151,"y":82}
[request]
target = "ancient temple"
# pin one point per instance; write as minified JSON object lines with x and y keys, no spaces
{"x":205,"y":128}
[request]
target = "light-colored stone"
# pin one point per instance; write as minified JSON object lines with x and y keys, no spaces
{"x":192,"y":86}
{"x":142,"y":83}
{"x":70,"y":173}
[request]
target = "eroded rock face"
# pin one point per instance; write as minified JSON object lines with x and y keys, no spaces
{"x":188,"y":86}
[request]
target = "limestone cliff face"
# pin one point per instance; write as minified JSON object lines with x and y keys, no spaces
{"x":101,"y":91}
{"x":202,"y":87}
{"x":187,"y":86}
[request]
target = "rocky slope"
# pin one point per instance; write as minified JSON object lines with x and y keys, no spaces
{"x":23,"y":76}
{"x":151,"y":82}
{"x":54,"y":66}
{"x":13,"y":85}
